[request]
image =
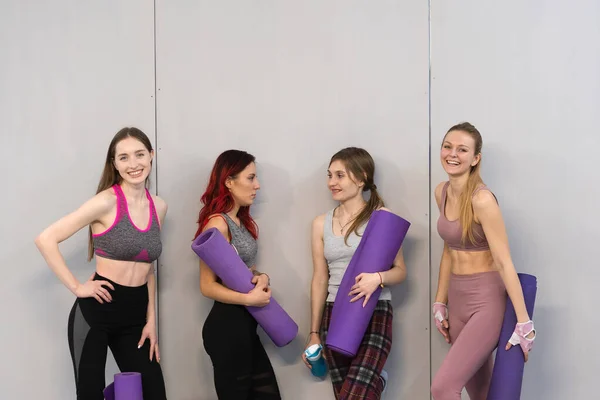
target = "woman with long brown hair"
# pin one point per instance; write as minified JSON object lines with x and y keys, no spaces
{"x":335,"y":238}
{"x":115,"y":307}
{"x":242,"y":369}
{"x":476,"y":273}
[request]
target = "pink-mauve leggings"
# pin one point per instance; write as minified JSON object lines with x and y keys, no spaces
{"x":476,"y":305}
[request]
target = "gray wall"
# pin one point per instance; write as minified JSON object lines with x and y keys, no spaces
{"x":72,"y":73}
{"x":292,"y":82}
{"x":527,"y":76}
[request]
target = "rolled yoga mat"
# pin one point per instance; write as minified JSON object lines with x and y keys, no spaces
{"x":376,"y":252}
{"x":221,"y":257}
{"x":126,"y":386}
{"x":507,"y":376}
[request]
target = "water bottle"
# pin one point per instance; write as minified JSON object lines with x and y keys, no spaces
{"x":314,"y":356}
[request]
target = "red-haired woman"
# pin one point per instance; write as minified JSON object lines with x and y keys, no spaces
{"x":242,"y":369}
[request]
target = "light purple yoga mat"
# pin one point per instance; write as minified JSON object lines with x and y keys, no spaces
{"x":127,"y":386}
{"x":507,"y":376}
{"x":222,"y":258}
{"x":376,"y":252}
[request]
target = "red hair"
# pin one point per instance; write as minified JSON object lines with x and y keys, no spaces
{"x":217,"y":199}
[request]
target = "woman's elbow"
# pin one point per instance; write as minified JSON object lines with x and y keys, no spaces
{"x":202,"y":288}
{"x":400,"y":275}
{"x":41,"y":241}
{"x":320,"y":280}
{"x":403,"y":275}
{"x":502,"y":264}
{"x":206,"y":288}
{"x":38,"y":242}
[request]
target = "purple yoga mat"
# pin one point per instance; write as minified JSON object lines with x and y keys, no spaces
{"x":376,"y":251}
{"x":507,"y":376}
{"x":109,"y":392}
{"x":221,"y":257}
{"x":127,"y":386}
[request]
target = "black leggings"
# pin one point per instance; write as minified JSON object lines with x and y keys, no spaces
{"x":242,"y":370}
{"x":93,"y":327}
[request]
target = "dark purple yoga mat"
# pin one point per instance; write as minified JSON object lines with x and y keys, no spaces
{"x":221,"y":257}
{"x":507,"y":376}
{"x":127,"y":386}
{"x":109,"y":392}
{"x":378,"y":247}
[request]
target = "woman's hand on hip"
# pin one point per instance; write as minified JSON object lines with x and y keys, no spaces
{"x":96,"y":290}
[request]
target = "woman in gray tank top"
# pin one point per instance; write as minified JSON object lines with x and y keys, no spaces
{"x":335,"y":238}
{"x":242,"y":369}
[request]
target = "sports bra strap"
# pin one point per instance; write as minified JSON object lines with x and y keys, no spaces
{"x":444,"y":194}
{"x":121,"y":200}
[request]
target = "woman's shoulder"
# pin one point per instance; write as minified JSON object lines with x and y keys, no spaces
{"x":483,"y":196}
{"x":439,"y":190}
{"x":322,"y":217}
{"x":440,"y":187}
{"x":319,"y":220}
{"x":105,"y":198}
{"x":318,"y":223}
{"x":216,"y":219}
{"x":160,"y":205}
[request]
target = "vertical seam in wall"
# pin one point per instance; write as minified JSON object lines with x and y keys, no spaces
{"x":430,"y":194}
{"x":155,"y":152}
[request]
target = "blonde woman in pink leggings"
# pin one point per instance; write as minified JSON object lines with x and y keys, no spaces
{"x":476,"y":273}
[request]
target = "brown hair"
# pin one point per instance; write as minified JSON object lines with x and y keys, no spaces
{"x":110,"y":175}
{"x":360,"y":164}
{"x":466,"y":197}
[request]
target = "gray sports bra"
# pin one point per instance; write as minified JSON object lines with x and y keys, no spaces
{"x":242,"y":241}
{"x":124,"y":241}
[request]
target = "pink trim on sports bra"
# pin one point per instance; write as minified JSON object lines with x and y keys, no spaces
{"x":117,"y":217}
{"x":150,"y":207}
{"x":123,"y":208}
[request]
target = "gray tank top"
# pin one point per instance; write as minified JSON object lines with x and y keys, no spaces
{"x":242,"y":241}
{"x":338,"y":255}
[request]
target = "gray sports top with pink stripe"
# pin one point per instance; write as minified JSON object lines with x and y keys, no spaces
{"x":124,"y":241}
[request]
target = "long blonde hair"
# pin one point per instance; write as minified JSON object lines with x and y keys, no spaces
{"x":110,"y":175}
{"x":360,"y":163}
{"x":465,"y":200}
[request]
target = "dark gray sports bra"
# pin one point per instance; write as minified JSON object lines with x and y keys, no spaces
{"x":124,"y":241}
{"x":242,"y":241}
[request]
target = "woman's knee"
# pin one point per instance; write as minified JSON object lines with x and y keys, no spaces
{"x":436,"y":389}
{"x":441,"y":390}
